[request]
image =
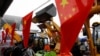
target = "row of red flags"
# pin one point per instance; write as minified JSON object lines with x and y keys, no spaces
{"x":5,"y":35}
{"x":26,"y":30}
{"x":72,"y":14}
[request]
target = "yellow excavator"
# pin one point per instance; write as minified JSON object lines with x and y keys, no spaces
{"x":16,"y":36}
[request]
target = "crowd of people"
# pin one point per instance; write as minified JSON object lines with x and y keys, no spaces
{"x":33,"y":49}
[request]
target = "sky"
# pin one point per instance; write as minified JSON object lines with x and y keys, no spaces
{"x":23,"y":7}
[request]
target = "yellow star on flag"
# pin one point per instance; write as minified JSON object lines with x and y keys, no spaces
{"x":64,"y":3}
{"x":25,"y":22}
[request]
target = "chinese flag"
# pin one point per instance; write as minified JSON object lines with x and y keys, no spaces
{"x":26,"y":28}
{"x":72,"y":14}
{"x":12,"y":33}
{"x":6,"y":35}
{"x":3,"y":36}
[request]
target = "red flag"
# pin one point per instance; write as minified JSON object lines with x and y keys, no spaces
{"x":12,"y":33}
{"x":6,"y":35}
{"x":73,"y":14}
{"x":3,"y":36}
{"x":26,"y":28}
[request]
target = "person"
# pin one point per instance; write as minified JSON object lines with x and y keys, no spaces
{"x":17,"y":52}
{"x":57,"y":47}
{"x":7,"y":52}
{"x":76,"y":50}
{"x":83,"y":48}
{"x":47,"y":47}
{"x":29,"y":51}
